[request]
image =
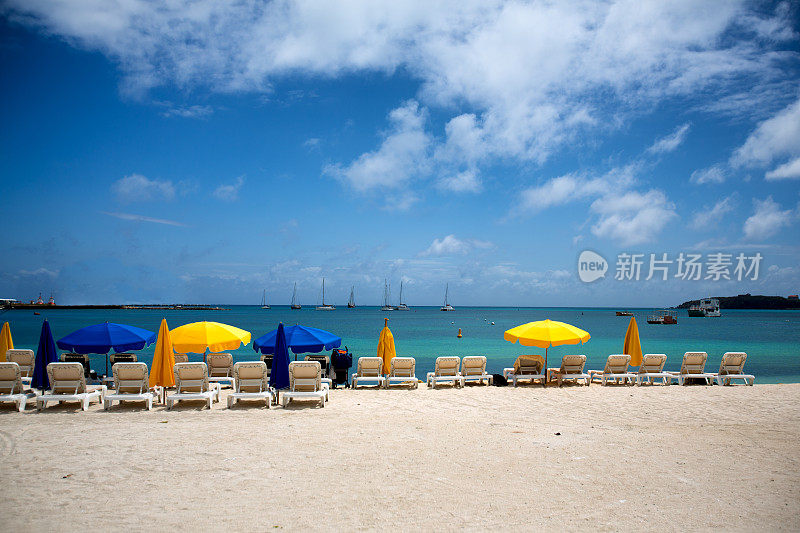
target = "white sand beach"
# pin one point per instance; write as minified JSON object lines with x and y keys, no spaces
{"x":479,"y":458}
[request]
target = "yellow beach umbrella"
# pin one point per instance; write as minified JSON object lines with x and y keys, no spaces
{"x":546,"y":333}
{"x":6,"y":342}
{"x":163,"y":359}
{"x":198,"y":336}
{"x":386,"y":349}
{"x":632,"y":345}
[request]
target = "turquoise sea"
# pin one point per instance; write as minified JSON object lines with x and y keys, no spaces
{"x":770,"y":338}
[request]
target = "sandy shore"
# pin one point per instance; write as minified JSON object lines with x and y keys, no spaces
{"x":479,"y":458}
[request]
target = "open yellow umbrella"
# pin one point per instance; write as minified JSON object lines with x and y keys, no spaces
{"x":386,"y":349}
{"x":6,"y":342}
{"x":198,"y":336}
{"x":163,"y":359}
{"x":632,"y":345}
{"x":546,"y":333}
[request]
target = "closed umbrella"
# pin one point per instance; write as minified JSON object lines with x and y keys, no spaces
{"x":386,"y":350}
{"x":300,"y":339}
{"x":279,"y":374}
{"x":163,"y":359}
{"x":6,"y":342}
{"x":633,"y":346}
{"x":45,"y":354}
{"x":546,"y":333}
{"x":199,"y":336}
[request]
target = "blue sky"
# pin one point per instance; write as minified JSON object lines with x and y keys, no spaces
{"x":203,"y":152}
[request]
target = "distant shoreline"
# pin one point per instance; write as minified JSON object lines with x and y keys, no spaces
{"x":180,"y":307}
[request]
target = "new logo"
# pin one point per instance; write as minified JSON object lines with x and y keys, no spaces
{"x":591,"y":266}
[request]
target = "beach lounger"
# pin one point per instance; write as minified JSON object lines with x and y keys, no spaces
{"x":305,"y":381}
{"x":131,"y":383}
{"x":26,"y":359}
{"x":251,"y":382}
{"x":572,"y":369}
{"x":68,"y":383}
{"x":616,"y":369}
{"x":324,"y":362}
{"x":11,"y":387}
{"x":368,"y":371}
{"x":526,"y":367}
{"x":181,"y":357}
{"x":191,"y":383}
{"x":81,"y":358}
{"x":220,"y":368}
{"x":402,"y":372}
{"x":122,"y":358}
{"x":693,"y":367}
{"x":267,"y":360}
{"x":445,"y":371}
{"x":732,"y":367}
{"x":652,"y":368}
{"x":473,"y":368}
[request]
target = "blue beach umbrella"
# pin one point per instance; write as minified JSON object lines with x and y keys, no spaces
{"x":279,"y":375}
{"x":301,"y":339}
{"x":45,"y":354}
{"x":102,"y":338}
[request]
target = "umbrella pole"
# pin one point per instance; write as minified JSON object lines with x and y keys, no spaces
{"x":546,"y":372}
{"x":106,"y":365}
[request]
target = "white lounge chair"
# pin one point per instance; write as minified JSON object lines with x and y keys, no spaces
{"x":181,"y":357}
{"x":191,"y":383}
{"x":616,"y":370}
{"x":402,"y":372}
{"x":445,"y":371}
{"x":131,"y":383}
{"x":368,"y":371}
{"x":251,"y":382}
{"x":732,"y":367}
{"x":473,"y":368}
{"x":305,"y":381}
{"x":526,"y":367}
{"x":11,"y":387}
{"x":572,"y":369}
{"x":220,"y":368}
{"x":652,"y":368}
{"x":694,"y":366}
{"x":68,"y":383}
{"x":26,"y":360}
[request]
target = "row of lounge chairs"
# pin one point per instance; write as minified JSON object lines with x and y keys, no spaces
{"x":369,"y":371}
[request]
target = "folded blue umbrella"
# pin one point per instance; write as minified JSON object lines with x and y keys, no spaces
{"x":300,"y":339}
{"x":45,"y":354}
{"x":279,"y":373}
{"x":102,"y":338}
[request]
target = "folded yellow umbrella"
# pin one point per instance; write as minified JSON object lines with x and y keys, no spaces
{"x":546,"y":333}
{"x":633,"y":346}
{"x":163,"y":359}
{"x":386,"y":349}
{"x":6,"y":343}
{"x":198,"y":336}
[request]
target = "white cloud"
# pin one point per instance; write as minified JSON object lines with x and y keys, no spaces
{"x":229,"y":192}
{"x":452,"y":245}
{"x":138,"y":188}
{"x":141,"y":218}
{"x":193,"y":111}
{"x":402,"y":156}
{"x":766,"y":220}
{"x":632,"y":218}
{"x":787,"y":171}
{"x":671,"y":142}
{"x":41,"y":271}
{"x":708,"y":175}
{"x":776,"y":137}
{"x":467,"y":181}
{"x":710,"y":217}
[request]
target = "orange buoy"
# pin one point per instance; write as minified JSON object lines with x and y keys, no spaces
{"x":459,"y":333}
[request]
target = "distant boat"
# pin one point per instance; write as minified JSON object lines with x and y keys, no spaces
{"x":324,"y":306}
{"x":446,"y":306}
{"x":708,"y":307}
{"x":624,"y":313}
{"x":386,"y":297}
{"x":663,"y":316}
{"x":351,"y":303}
{"x":264,"y":304}
{"x":401,"y":306}
{"x":295,"y":305}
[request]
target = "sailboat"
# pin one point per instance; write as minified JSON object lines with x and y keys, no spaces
{"x":264,"y":304}
{"x":351,"y":303}
{"x":324,"y":306}
{"x":446,"y":306}
{"x":295,"y":305}
{"x":386,"y":294}
{"x":401,"y":306}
